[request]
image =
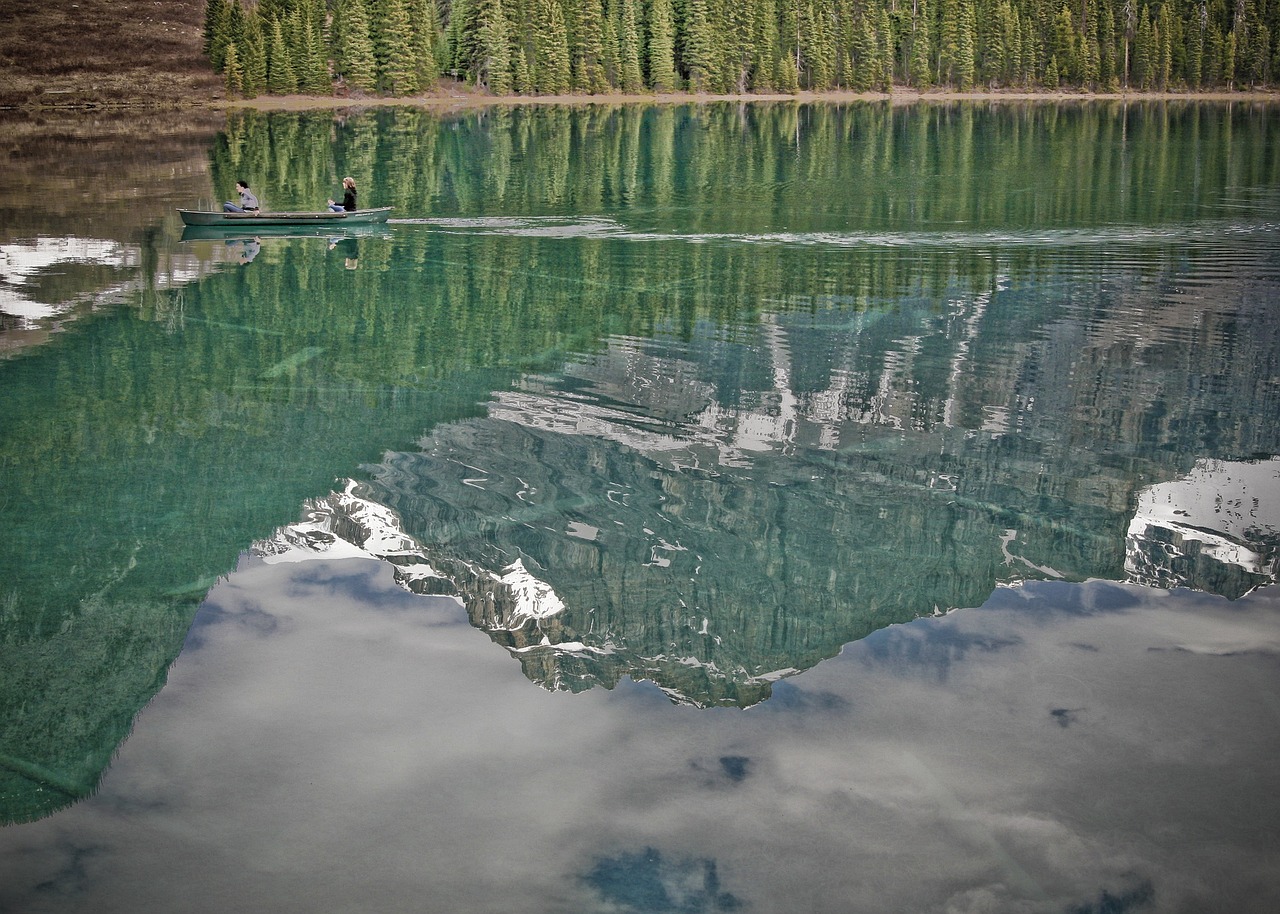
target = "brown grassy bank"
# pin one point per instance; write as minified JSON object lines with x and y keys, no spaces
{"x":96,"y":54}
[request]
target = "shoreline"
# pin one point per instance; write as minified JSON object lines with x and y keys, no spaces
{"x":461,"y":97}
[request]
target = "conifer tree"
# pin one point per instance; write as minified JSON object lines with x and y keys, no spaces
{"x":697,"y":52}
{"x":397,"y":63}
{"x":355,"y":57}
{"x":1013,"y":69}
{"x":493,"y":69}
{"x":1144,"y":54}
{"x":884,"y":29}
{"x":788,"y":76}
{"x":991,"y":49}
{"x":587,"y":48}
{"x":967,"y":60}
{"x":1030,"y":51}
{"x":281,"y":78}
{"x":1195,"y":48}
{"x":1229,"y":61}
{"x":764,"y":31}
{"x":1051,"y":77}
{"x":864,"y":55}
{"x":1215,"y":52}
{"x":819,"y":46}
{"x":255,"y":57}
{"x":424,"y":21}
{"x":631,"y":78}
{"x":1164,"y":29}
{"x":232,"y":75}
{"x":662,"y":46}
{"x":921,"y":48}
{"x":611,"y":59}
{"x":308,"y":49}
{"x":1063,"y":47}
{"x":551,"y":68}
{"x":459,"y":38}
{"x":215,"y":21}
{"x":1108,"y":76}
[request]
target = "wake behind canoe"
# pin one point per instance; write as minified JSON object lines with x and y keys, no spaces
{"x":240,"y":220}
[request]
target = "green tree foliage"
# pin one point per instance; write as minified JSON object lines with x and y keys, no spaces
{"x":634,"y":46}
{"x":281,"y":76}
{"x":354,"y":58}
{"x":587,"y":47}
{"x":552,"y":70}
{"x":662,"y":46}
{"x":394,"y":50}
{"x":631,"y":78}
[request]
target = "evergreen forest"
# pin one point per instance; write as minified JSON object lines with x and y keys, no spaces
{"x":551,"y":47}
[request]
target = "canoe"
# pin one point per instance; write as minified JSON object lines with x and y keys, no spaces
{"x":240,"y":220}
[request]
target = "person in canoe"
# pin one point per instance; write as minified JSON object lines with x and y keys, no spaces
{"x":348,"y":197}
{"x":248,"y":202}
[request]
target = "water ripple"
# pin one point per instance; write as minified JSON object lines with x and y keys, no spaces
{"x":1091,"y":236}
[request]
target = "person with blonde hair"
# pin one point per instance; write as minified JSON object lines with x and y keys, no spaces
{"x":348,"y":197}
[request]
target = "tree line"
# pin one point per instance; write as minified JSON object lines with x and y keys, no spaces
{"x":548,"y":47}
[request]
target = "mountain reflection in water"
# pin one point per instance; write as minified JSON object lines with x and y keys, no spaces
{"x":621,"y":522}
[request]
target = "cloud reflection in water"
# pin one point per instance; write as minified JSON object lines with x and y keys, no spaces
{"x":333,"y":742}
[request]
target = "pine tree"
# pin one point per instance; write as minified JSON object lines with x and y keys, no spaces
{"x":884,"y":30}
{"x":492,"y":38}
{"x":1063,"y":48}
{"x":397,"y":63}
{"x":764,"y":31}
{"x":864,"y":54}
{"x":1051,"y":78}
{"x":611,"y":59}
{"x":631,"y":78}
{"x":1195,"y":49}
{"x":948,"y":42}
{"x":991,"y":46}
{"x":1032,"y":57}
{"x":966,"y":63}
{"x":662,"y":47}
{"x":232,"y":75}
{"x":1229,"y":61}
{"x":587,"y":48}
{"x":254,"y":57}
{"x":215,"y":18}
{"x":921,"y":73}
{"x":697,"y":52}
{"x":281,"y":78}
{"x":308,"y":51}
{"x":459,"y":39}
{"x":1144,"y":54}
{"x":820,"y":51}
{"x":551,"y":67}
{"x":1108,"y":76}
{"x":788,"y":77}
{"x":424,"y":20}
{"x":355,"y":57}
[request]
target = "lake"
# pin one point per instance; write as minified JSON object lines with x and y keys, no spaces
{"x":699,"y":508}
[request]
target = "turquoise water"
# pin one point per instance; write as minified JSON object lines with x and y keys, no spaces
{"x":531,"y":519}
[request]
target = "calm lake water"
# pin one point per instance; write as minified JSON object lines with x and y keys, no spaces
{"x":761,"y":508}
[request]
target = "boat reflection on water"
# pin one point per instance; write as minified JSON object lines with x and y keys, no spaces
{"x":242,"y":246}
{"x":218,"y":233}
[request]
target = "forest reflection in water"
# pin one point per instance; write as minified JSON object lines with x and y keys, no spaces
{"x":691,"y":396}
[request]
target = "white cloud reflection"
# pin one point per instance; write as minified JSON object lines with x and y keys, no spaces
{"x":330,"y":742}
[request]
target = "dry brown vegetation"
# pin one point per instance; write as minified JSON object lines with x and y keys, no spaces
{"x":95,"y":54}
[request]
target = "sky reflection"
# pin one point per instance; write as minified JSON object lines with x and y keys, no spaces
{"x":329,"y":741}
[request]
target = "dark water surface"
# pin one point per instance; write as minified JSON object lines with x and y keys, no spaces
{"x":504,"y":545}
